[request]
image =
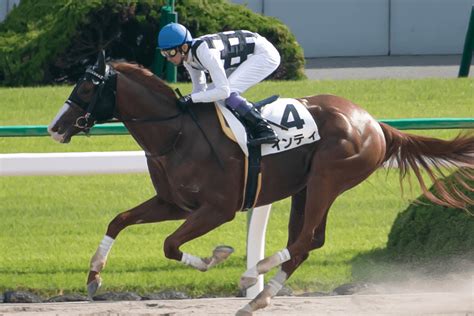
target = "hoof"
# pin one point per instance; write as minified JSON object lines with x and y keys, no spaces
{"x":222,"y":252}
{"x":93,"y":286}
{"x":246,"y":282}
{"x":243,"y":312}
{"x":261,"y":301}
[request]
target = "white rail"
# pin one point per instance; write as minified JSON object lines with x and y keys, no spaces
{"x":75,"y":163}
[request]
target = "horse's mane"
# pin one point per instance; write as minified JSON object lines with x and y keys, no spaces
{"x":145,"y":77}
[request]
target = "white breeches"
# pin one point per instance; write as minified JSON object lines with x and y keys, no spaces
{"x":257,"y":67}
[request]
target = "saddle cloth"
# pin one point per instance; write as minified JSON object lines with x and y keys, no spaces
{"x":290,"y":113}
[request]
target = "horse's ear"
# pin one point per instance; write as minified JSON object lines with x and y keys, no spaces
{"x":100,"y":63}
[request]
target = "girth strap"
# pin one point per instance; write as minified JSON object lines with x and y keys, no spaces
{"x":252,"y":187}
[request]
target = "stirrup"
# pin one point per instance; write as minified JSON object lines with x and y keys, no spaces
{"x":270,"y":138}
{"x":263,"y":140}
{"x":266,"y":101}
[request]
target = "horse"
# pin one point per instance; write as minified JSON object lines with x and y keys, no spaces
{"x":198,"y":172}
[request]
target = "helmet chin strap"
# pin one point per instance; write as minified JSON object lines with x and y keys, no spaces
{"x":183,"y":52}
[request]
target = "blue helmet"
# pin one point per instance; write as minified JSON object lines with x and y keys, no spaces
{"x":173,"y":35}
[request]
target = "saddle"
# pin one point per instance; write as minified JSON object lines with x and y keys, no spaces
{"x":294,"y":126}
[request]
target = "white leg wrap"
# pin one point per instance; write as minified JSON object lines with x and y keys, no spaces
{"x":263,"y":298}
{"x":275,"y":260}
{"x":100,"y":257}
{"x":194,"y":262}
{"x":284,"y":255}
{"x":251,"y":273}
{"x":276,"y":283}
{"x":250,"y":276}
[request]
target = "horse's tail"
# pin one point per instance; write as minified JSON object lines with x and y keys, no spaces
{"x":417,"y":153}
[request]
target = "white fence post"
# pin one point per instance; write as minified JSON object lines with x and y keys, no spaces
{"x":257,"y":227}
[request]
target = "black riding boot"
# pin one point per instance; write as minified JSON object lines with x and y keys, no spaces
{"x":260,"y":130}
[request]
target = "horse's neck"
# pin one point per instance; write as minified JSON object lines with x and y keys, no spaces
{"x":136,"y":102}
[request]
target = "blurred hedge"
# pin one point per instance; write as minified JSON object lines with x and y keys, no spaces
{"x":427,"y":231}
{"x":44,"y":41}
{"x":53,"y":41}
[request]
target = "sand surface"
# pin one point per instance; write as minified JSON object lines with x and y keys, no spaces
{"x":374,"y":304}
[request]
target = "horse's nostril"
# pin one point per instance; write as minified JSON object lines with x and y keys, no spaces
{"x":59,"y":129}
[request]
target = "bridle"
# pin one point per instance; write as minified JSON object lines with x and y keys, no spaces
{"x":87,"y":121}
{"x":83,"y":122}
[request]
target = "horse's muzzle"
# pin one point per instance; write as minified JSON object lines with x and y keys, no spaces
{"x":63,"y":138}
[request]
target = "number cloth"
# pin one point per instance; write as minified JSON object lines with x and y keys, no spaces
{"x":290,"y":113}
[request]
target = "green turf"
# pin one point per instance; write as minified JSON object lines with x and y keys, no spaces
{"x":51,"y":226}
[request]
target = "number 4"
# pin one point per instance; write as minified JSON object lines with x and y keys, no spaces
{"x":297,"y":121}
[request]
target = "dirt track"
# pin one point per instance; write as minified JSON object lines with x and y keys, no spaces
{"x":380,"y":304}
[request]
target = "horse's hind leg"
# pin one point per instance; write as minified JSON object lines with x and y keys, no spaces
{"x":294,"y":229}
{"x":317,"y":242}
{"x":339,"y":165}
{"x":151,"y":211}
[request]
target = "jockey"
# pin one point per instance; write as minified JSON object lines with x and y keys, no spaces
{"x":235,"y":61}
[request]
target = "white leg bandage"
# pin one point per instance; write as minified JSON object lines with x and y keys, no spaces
{"x":194,"y":262}
{"x":263,"y":298}
{"x":251,"y":273}
{"x":276,"y":283}
{"x":275,"y":260}
{"x":250,"y":276}
{"x":100,"y":256}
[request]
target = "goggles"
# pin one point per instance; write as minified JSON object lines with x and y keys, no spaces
{"x":169,"y":53}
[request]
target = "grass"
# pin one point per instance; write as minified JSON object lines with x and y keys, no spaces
{"x":51,"y":226}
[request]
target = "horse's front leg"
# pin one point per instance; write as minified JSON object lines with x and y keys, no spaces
{"x":250,"y":277}
{"x":197,"y":224}
{"x":271,"y":289}
{"x":151,"y":211}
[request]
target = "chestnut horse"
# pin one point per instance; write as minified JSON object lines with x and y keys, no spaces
{"x":199,"y":174}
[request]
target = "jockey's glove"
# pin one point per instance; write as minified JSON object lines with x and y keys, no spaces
{"x":185,"y":101}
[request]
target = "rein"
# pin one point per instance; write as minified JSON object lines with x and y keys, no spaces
{"x":144,"y":120}
{"x":191,"y":114}
{"x":194,"y":118}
